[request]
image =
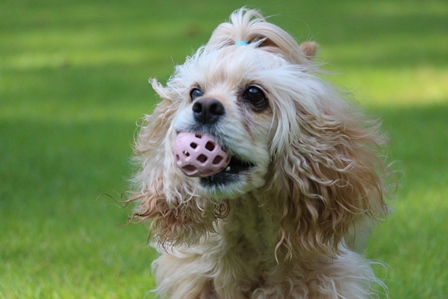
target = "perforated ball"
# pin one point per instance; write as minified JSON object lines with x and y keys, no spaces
{"x":198,"y":155}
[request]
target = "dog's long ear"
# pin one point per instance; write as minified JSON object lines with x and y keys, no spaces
{"x":180,"y":220}
{"x":166,"y":196}
{"x":332,"y":177}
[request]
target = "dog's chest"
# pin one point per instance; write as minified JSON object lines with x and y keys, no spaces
{"x":249,"y":235}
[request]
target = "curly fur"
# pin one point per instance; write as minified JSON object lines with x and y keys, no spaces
{"x":287,"y":227}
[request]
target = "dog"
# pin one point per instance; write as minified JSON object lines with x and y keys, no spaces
{"x":256,"y":175}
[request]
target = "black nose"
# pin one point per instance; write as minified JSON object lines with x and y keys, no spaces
{"x":207,"y":111}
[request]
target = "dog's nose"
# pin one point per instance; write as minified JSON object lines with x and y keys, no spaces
{"x":207,"y":111}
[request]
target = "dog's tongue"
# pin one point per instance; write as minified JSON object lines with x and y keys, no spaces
{"x":198,"y":155}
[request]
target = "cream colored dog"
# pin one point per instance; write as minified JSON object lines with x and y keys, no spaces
{"x":299,"y":177}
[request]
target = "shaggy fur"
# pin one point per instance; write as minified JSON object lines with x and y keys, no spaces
{"x":285,"y":224}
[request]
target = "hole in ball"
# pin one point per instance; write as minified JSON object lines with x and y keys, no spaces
{"x":190,"y":169}
{"x":217,"y":160}
{"x":210,"y":146}
{"x":202,"y":158}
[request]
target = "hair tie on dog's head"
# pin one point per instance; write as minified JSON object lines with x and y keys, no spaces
{"x":241,"y":43}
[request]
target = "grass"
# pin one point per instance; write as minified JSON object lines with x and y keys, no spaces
{"x":73,"y":81}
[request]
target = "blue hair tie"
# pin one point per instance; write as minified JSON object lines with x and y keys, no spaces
{"x":241,"y":43}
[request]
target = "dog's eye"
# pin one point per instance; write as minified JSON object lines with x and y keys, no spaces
{"x":256,"y":97}
{"x":195,"y":93}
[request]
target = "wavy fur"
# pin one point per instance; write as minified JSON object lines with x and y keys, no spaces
{"x":286,"y":227}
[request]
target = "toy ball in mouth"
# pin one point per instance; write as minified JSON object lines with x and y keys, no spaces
{"x":199,"y":155}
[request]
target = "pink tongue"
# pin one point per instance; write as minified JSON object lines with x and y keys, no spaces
{"x":198,"y":155}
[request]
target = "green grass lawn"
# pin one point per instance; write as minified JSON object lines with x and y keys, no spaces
{"x":73,"y":82}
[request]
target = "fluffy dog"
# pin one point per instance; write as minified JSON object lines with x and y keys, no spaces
{"x":256,"y":175}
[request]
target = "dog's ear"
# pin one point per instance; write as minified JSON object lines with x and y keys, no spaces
{"x":175,"y":220}
{"x":309,"y":49}
{"x":166,"y":196}
{"x":332,"y":179}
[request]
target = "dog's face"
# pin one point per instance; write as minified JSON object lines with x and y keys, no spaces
{"x":246,"y":99}
{"x":226,"y":94}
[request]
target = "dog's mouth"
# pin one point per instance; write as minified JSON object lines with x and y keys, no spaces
{"x":199,"y":155}
{"x":229,"y":175}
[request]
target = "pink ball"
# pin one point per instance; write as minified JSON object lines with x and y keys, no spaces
{"x":198,"y":155}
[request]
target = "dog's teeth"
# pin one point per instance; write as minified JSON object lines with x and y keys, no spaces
{"x":228,"y":168}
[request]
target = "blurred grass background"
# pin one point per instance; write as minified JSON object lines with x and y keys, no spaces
{"x":73,"y":82}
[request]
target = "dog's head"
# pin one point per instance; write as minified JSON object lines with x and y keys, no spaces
{"x":240,"y":91}
{"x":245,"y":114}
